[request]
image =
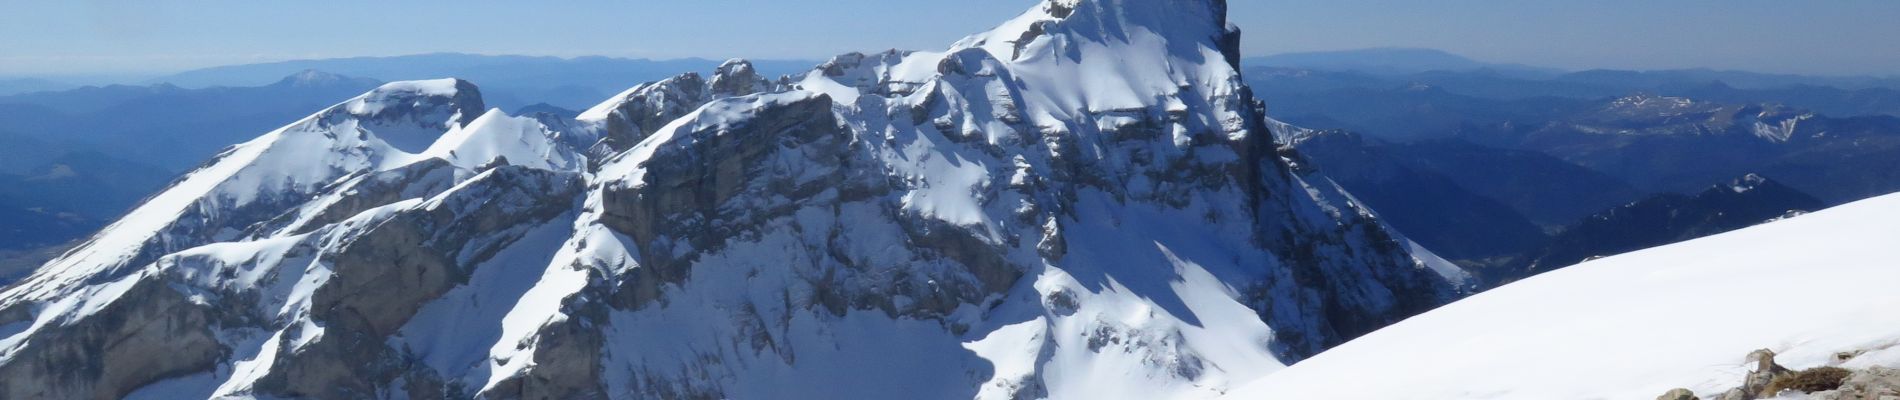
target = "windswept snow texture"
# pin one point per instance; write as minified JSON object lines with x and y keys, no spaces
{"x":1083,"y":203}
{"x":1636,"y":325}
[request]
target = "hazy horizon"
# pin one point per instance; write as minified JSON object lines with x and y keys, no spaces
{"x":146,"y":39}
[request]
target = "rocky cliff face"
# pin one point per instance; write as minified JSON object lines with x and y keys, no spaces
{"x":1084,"y":202}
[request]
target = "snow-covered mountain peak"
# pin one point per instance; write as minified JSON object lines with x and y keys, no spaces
{"x":737,"y":77}
{"x":1059,"y":23}
{"x":1100,"y":213}
{"x":1088,"y":59}
{"x":410,"y":115}
{"x":248,"y":183}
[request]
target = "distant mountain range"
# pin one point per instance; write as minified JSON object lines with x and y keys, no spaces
{"x":1570,"y":153}
{"x":1473,"y":204}
{"x":1679,"y":145}
{"x":1294,"y":92}
{"x":1446,"y":194}
{"x":1399,"y":61}
{"x":25,"y":85}
{"x":1670,"y":217}
{"x":165,"y":125}
{"x":65,"y":198}
{"x":1391,"y":60}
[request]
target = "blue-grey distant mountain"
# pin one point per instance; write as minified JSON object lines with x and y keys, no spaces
{"x":548,"y":109}
{"x":22,"y":153}
{"x":1665,"y":143}
{"x":92,"y":185}
{"x":1303,"y":90}
{"x":30,"y":236}
{"x":1656,"y":142}
{"x":1428,"y":206}
{"x":1545,"y":189}
{"x":1391,"y":61}
{"x":25,"y":85}
{"x":1392,"y":110}
{"x":24,"y":227}
{"x":62,"y":199}
{"x":508,"y":81}
{"x":1823,"y":99}
{"x":1739,"y":79}
{"x":166,"y":125}
{"x":1670,"y":218}
{"x":87,"y":99}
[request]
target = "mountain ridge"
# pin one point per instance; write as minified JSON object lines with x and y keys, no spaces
{"x":992,"y":210}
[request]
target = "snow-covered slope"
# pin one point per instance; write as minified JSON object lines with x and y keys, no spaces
{"x":1636,"y":325}
{"x":1082,"y":203}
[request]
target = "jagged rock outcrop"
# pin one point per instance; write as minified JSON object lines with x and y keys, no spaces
{"x":1755,"y":385}
{"x":644,"y":109}
{"x":1877,"y":383}
{"x":1084,"y":202}
{"x":1678,"y":394}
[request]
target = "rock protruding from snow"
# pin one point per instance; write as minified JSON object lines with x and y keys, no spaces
{"x":1877,"y":383}
{"x":631,"y":116}
{"x":1678,"y":394}
{"x":737,"y":77}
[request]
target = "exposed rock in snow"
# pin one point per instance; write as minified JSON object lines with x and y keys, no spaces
{"x":1678,"y":394}
{"x":1877,"y":383}
{"x":1766,"y":371}
{"x":1085,"y":202}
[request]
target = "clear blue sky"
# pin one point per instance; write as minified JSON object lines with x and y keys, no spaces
{"x":148,"y":37}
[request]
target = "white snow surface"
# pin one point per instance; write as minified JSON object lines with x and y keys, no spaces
{"x":1636,"y":325}
{"x":497,"y":136}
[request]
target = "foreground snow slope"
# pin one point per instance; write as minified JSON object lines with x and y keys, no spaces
{"x":1637,"y":325}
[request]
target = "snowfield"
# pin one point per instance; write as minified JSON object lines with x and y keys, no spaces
{"x":1637,"y":325}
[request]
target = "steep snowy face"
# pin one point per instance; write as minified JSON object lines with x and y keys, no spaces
{"x":1160,"y":50}
{"x":258,"y":179}
{"x":496,"y":137}
{"x":1017,"y":203}
{"x":1082,"y":203}
{"x":236,"y":253}
{"x":1814,"y":289}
